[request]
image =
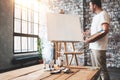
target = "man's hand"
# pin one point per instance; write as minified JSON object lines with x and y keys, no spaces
{"x":86,"y":41}
{"x":98,"y":35}
{"x":86,"y":33}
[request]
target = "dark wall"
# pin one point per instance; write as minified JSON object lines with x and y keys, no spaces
{"x":6,"y":40}
{"x":6,"y":33}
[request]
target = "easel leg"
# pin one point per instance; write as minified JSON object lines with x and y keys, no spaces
{"x":56,"y":47}
{"x":71,"y":59}
{"x":66,"y":59}
{"x":65,"y":47}
{"x":76,"y":59}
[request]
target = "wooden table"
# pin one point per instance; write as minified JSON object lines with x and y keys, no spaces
{"x":38,"y":73}
{"x":77,"y":73}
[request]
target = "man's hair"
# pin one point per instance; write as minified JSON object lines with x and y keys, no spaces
{"x":97,"y":2}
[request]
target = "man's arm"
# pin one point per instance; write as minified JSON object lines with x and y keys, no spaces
{"x":98,"y":35}
{"x":87,"y":32}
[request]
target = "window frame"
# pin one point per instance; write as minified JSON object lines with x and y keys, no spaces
{"x":27,"y":35}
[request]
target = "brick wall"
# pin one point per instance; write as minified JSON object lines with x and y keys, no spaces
{"x":75,"y":7}
{"x":113,"y":9}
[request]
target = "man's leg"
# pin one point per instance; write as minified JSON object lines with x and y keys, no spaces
{"x":93,"y":59}
{"x":99,"y":57}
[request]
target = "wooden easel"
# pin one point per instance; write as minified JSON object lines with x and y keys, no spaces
{"x":58,"y":47}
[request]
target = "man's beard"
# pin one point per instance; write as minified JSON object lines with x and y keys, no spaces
{"x":93,"y":11}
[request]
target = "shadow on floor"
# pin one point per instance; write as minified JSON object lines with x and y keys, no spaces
{"x":114,"y":73}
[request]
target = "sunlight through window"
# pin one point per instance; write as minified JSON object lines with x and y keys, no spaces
{"x":26,"y":25}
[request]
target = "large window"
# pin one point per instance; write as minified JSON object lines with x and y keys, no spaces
{"x":26,"y":26}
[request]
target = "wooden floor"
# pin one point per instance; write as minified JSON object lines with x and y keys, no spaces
{"x":37,"y":73}
{"x":23,"y":72}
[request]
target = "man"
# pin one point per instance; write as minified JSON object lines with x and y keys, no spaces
{"x":99,"y":37}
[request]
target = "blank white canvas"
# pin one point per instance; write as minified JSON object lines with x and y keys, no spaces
{"x":63,"y":27}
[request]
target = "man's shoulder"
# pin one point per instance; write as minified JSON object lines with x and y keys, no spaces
{"x":104,"y":12}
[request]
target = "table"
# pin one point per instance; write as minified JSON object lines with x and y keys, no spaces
{"x":37,"y":72}
{"x":78,"y":73}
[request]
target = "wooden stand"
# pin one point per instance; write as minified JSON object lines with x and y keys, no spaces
{"x":58,"y":48}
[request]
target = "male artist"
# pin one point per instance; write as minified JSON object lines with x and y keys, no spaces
{"x":99,"y":37}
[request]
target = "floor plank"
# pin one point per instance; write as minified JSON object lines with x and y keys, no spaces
{"x":38,"y":73}
{"x":82,"y":75}
{"x":33,"y":76}
{"x":65,"y":76}
{"x":19,"y":72}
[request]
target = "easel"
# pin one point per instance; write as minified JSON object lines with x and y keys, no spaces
{"x":57,"y":46}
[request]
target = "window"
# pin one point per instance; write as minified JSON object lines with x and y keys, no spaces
{"x":26,"y":26}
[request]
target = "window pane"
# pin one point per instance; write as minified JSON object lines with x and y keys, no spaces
{"x":36,"y":29}
{"x":35,"y":44}
{"x":32,"y":27}
{"x":24,"y":44}
{"x":17,"y":11}
{"x":24,"y":27}
{"x":17,"y":27}
{"x":39,"y":20}
{"x":32,"y":16}
{"x":24,"y":3}
{"x":18,"y":1}
{"x":26,"y":22}
{"x":29,"y":15}
{"x":30,"y":44}
{"x":29,"y":5}
{"x":29,"y":28}
{"x":17,"y":44}
{"x":36,"y":17}
{"x":24,"y":14}
{"x":36,"y":5}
